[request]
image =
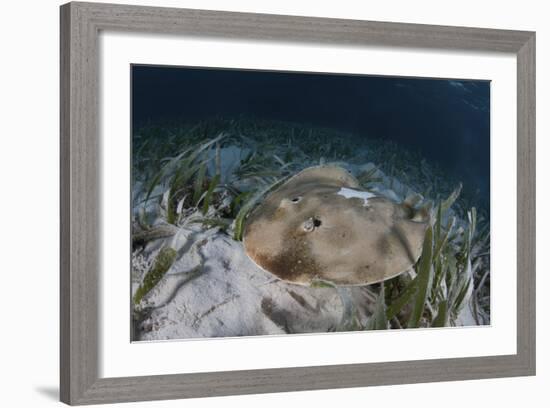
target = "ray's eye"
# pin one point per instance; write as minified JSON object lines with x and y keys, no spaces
{"x":296,"y":199}
{"x":308,"y":225}
{"x":316,"y":222}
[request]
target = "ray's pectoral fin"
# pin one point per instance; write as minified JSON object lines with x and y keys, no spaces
{"x":398,"y":231}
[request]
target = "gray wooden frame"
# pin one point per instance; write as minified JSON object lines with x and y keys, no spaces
{"x":80,"y":158}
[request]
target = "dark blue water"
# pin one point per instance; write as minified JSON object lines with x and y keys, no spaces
{"x":448,"y":121}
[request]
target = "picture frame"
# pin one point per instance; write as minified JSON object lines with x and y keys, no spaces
{"x":81,"y":24}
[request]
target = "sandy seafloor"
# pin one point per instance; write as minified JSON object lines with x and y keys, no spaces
{"x":214,"y":290}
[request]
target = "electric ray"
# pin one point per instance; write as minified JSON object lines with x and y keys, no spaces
{"x":320,"y":225}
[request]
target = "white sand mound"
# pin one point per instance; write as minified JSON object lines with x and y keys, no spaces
{"x":214,"y":290}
